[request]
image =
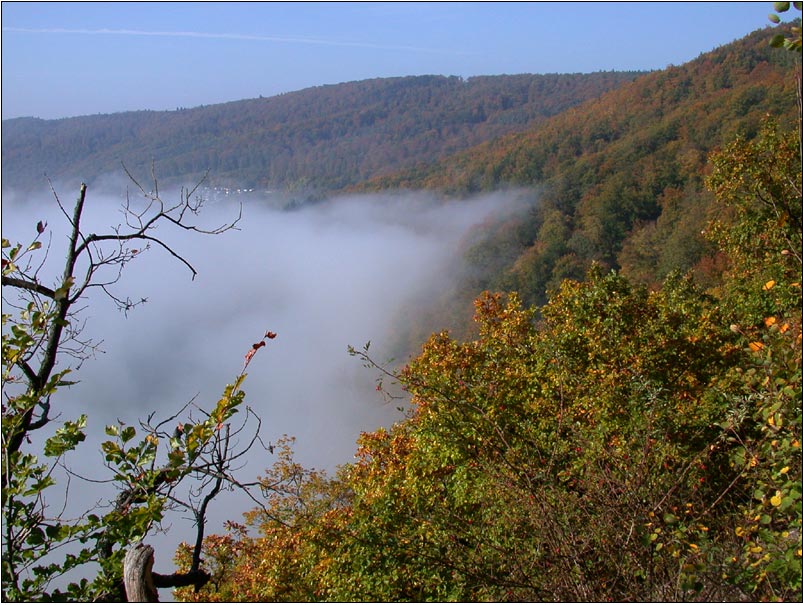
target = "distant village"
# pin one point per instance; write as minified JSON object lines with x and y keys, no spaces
{"x":282,"y":200}
{"x":217,"y":191}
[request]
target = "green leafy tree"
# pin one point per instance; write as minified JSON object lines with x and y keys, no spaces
{"x":173,"y":466}
{"x":758,"y":186}
{"x":576,"y":459}
{"x":757,"y":222}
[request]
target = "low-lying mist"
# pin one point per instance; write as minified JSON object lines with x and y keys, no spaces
{"x":340,"y":272}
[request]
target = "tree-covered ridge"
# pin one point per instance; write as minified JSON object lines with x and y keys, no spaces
{"x":623,"y":443}
{"x":621,"y":176}
{"x":327,"y":136}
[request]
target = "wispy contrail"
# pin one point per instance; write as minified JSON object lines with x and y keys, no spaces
{"x":229,"y":36}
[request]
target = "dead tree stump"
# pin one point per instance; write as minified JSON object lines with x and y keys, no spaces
{"x":137,"y":575}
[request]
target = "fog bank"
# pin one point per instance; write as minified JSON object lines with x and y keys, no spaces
{"x":322,"y":277}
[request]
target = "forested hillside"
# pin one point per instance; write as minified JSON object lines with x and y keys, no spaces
{"x":618,"y":443}
{"x":324,"y":138}
{"x":620,"y":178}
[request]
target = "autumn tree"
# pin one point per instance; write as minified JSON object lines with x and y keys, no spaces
{"x":575,"y":459}
{"x":175,"y":465}
{"x":759,"y":225}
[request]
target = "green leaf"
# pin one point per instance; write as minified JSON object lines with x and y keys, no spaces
{"x":112,"y":450}
{"x":774,"y":18}
{"x":56,"y":532}
{"x":112,"y":430}
{"x":176,"y":458}
{"x":64,"y":290}
{"x":781,"y":7}
{"x":36,"y":537}
{"x":66,"y":437}
{"x":128,"y":434}
{"x":39,"y":486}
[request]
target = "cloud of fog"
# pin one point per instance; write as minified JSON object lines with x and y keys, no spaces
{"x":322,"y":277}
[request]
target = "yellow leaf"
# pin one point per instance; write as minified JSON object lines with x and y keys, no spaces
{"x":785,"y":327}
{"x":776,"y":421}
{"x":777,"y":499}
{"x":769,"y":284}
{"x":784,"y":470}
{"x":769,"y":321}
{"x":755,"y":346}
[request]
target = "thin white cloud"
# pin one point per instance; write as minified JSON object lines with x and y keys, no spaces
{"x":230,"y":36}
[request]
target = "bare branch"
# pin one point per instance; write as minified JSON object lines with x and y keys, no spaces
{"x":96,"y":260}
{"x":201,"y":514}
{"x":30,"y":286}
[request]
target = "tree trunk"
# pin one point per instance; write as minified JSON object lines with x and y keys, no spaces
{"x":137,"y":574}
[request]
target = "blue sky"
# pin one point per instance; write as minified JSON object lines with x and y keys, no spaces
{"x":64,"y":59}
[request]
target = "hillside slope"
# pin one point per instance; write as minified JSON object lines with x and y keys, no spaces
{"x":621,"y":176}
{"x":324,"y":137}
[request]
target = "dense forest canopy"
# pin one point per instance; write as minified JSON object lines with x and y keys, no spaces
{"x":621,"y":177}
{"x":319,"y":138}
